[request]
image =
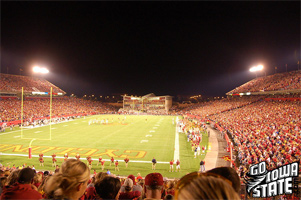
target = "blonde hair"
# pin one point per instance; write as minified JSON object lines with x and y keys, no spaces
{"x":38,"y":178}
{"x":207,"y":187}
{"x":42,"y":186}
{"x":71,"y":174}
{"x":13,"y":177}
{"x":100,"y":175}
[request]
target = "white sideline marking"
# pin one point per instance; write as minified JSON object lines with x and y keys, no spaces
{"x":142,"y":141}
{"x":38,"y":132}
{"x":121,"y":159}
{"x":177,"y":146}
{"x":65,"y":125}
{"x":148,"y":136}
{"x":17,"y":136}
{"x":53,"y":128}
{"x":155,"y":127}
{"x":152,"y":131}
{"x":75,"y":123}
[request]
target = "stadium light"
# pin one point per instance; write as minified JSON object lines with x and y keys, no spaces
{"x":42,"y":70}
{"x":256,"y":68}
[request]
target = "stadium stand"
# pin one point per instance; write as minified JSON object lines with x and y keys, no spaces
{"x":14,"y":83}
{"x":280,"y":81}
{"x":38,"y":108}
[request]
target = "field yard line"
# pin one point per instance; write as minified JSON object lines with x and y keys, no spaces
{"x":36,"y":156}
{"x":177,"y":146}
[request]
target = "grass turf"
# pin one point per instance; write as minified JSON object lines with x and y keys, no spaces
{"x":139,"y":137}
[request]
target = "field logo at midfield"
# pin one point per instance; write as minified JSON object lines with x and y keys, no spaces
{"x":262,"y":183}
{"x":73,"y":151}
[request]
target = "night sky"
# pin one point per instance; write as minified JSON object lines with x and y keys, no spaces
{"x":167,"y":48}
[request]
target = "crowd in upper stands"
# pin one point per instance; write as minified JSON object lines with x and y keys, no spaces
{"x":281,"y":81}
{"x":218,"y":106}
{"x":265,"y":131}
{"x":15,"y":83}
{"x":33,"y":108}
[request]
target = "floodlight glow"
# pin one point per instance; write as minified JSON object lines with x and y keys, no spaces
{"x":260,"y":67}
{"x":37,"y":69}
{"x":256,"y":68}
{"x":44,"y":70}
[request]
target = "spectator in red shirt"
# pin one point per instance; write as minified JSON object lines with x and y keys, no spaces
{"x":129,"y":193}
{"x":23,"y":189}
{"x":135,"y":187}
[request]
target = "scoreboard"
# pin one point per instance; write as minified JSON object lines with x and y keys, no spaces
{"x":147,"y":102}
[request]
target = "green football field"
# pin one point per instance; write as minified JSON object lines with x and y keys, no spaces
{"x":139,"y":137}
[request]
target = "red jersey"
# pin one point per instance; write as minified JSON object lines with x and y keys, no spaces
{"x":41,"y":159}
{"x":178,"y":162}
{"x":171,"y":162}
{"x":102,"y":162}
{"x":99,"y":159}
{"x":112,"y":159}
{"x":90,"y":161}
{"x":126,"y":160}
{"x":41,"y":155}
{"x":116,"y":163}
{"x":77,"y":157}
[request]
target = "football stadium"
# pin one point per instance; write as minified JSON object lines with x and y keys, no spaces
{"x":37,"y":124}
{"x":150,"y":100}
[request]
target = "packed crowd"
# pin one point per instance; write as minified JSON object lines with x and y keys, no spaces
{"x":281,"y":81}
{"x":265,"y":131}
{"x":206,"y":109}
{"x":74,"y":181}
{"x":15,"y":83}
{"x":35,"y":108}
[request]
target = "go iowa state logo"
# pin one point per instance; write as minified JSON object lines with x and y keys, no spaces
{"x":262,"y":183}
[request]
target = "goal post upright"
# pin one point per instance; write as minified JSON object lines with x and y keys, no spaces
{"x":50,"y":112}
{"x":22,"y":114}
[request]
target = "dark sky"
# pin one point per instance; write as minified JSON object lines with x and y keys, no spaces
{"x":167,"y":48}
